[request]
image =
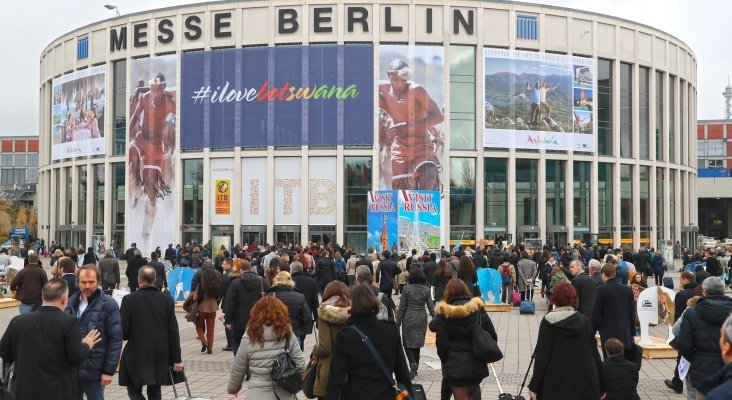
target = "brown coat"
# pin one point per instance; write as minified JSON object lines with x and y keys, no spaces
{"x":330,"y":321}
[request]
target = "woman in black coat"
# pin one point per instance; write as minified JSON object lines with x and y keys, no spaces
{"x":466,"y":273}
{"x":567,"y":365}
{"x":283,"y":288}
{"x":443,"y":274}
{"x":456,"y":315}
{"x":324,"y":270}
{"x":354,"y":373}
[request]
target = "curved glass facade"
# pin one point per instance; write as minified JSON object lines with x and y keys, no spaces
{"x":285,"y":140}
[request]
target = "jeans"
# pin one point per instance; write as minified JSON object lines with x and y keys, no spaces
{"x":506,"y":292}
{"x":153,"y":393}
{"x":92,"y":389}
{"x":351,"y":280}
{"x":659,"y":279}
{"x":25,"y":308}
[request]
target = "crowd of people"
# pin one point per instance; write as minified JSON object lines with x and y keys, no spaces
{"x":270,"y":299}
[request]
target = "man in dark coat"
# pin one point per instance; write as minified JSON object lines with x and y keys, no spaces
{"x":701,"y":274}
{"x":109,"y":268}
{"x":386,"y":274}
{"x":614,"y":311}
{"x":496,"y":258}
{"x":430,"y":266}
{"x":698,"y":339}
{"x":642,"y":262}
{"x":93,"y":308}
{"x":28,"y":285}
{"x":306,"y":286}
{"x":365,"y":260}
{"x":153,"y":343}
{"x":585,"y":287}
{"x":170,"y":254}
{"x":688,"y":284}
{"x":161,"y":280}
{"x":51,"y":347}
{"x":713,"y":266}
{"x":133,"y":266}
{"x":719,"y":385}
{"x":243,"y":292}
{"x":130,"y":253}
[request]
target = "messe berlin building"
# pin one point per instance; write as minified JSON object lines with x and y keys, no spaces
{"x":271,"y":121}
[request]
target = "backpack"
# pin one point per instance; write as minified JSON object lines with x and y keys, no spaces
{"x":383,"y":314}
{"x":506,"y":274}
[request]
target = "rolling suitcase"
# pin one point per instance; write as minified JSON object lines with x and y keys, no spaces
{"x":527,"y":306}
{"x":506,"y":396}
{"x":516,"y":298}
{"x":177,"y":378}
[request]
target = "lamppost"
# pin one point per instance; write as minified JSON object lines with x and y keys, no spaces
{"x":111,"y":7}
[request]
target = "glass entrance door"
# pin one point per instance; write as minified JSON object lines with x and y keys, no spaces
{"x":287,"y":234}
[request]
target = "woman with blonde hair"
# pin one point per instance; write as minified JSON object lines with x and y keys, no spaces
{"x":283,"y":288}
{"x":333,"y":313}
{"x":268,"y":334}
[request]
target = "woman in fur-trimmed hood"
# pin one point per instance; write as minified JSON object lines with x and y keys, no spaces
{"x":333,"y":313}
{"x":455,"y":316}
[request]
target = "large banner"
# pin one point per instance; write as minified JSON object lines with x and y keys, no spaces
{"x":382,"y":221}
{"x":402,"y":220}
{"x":254,"y":200}
{"x":411,"y":101}
{"x":322,"y":197}
{"x":77,"y":114}
{"x":538,"y":101}
{"x":151,"y":146}
{"x":222,"y":176}
{"x":317,"y":95}
{"x":287,"y":191}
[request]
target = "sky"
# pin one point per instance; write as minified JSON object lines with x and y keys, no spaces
{"x":27,"y":30}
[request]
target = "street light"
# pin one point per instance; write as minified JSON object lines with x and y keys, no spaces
{"x":111,"y":7}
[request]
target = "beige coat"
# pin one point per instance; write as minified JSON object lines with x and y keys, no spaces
{"x":330,"y":321}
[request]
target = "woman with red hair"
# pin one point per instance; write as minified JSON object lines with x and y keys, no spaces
{"x":268,"y":334}
{"x":567,"y":364}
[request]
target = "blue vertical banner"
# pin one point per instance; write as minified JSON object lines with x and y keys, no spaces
{"x":419,"y":220}
{"x":383,"y":221}
{"x":318,"y":95}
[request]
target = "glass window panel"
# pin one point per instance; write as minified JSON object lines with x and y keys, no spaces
{"x":672,"y":202}
{"x":659,"y":200}
{"x":626,"y":195}
{"x":120,"y":106}
{"x":82,"y":195}
{"x":357,"y":185}
{"x":683,"y":129}
{"x":671,"y":117}
{"x":555,"y":211}
{"x":643,"y":114}
{"x":69,"y":195}
{"x":626,"y":110}
{"x":659,"y":115}
{"x":462,"y":97}
{"x":32,"y":160}
{"x":496,"y":192}
{"x":605,"y":194}
{"x":118,"y":194}
{"x":581,"y":192}
{"x":98,"y":193}
{"x":604,"y":107}
{"x":20,"y":161}
{"x":462,"y":191}
{"x":526,"y":192}
{"x":644,"y":173}
{"x":193,"y":191}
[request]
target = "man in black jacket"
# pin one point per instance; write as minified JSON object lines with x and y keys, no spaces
{"x":153,"y":343}
{"x":713,"y":266}
{"x":386,"y":274}
{"x":305,"y":285}
{"x":621,"y":374}
{"x":240,"y":298}
{"x":170,"y":254}
{"x":688,"y":284}
{"x":701,"y":274}
{"x":365,"y":260}
{"x":51,"y":346}
{"x":614,"y":311}
{"x":585,"y":287}
{"x":698,"y":339}
{"x":641,"y":262}
{"x":130,"y":253}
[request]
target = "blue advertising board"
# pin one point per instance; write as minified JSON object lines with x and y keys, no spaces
{"x":317,"y":95}
{"x":383,"y":221}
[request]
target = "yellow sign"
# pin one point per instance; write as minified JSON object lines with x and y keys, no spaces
{"x":223,"y":196}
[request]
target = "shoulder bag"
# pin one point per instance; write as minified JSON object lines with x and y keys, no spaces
{"x":284,"y":372}
{"x":400,"y":390}
{"x":485,"y":348}
{"x":311,"y":371}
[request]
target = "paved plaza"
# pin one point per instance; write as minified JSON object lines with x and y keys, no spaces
{"x":209,"y":374}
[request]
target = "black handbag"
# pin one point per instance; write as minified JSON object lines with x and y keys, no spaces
{"x":284,"y":372}
{"x":308,"y":378}
{"x":485,"y":348}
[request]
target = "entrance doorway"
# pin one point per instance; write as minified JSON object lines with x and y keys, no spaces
{"x":287,"y":234}
{"x":556,"y":236}
{"x":526,"y":232}
{"x":256,"y":234}
{"x":322,"y":234}
{"x":222,"y":235}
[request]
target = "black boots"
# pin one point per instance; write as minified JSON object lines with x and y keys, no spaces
{"x":676,"y":387}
